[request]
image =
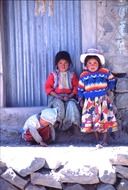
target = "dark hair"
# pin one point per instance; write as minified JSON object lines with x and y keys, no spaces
{"x":63,"y":55}
{"x":92,"y":57}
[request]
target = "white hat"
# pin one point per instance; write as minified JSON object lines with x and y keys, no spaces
{"x":49,"y":115}
{"x":92,"y":52}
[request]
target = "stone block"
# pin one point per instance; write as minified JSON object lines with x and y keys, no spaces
{"x":105,"y":187}
{"x":122,"y":170}
{"x":35,"y":165}
{"x":3,"y":167}
{"x":122,"y":84}
{"x":121,"y":100}
{"x":79,"y":174}
{"x":47,"y":180}
{"x":10,"y":176}
{"x":107,"y":174}
{"x":123,"y":185}
{"x":4,"y":185}
{"x":73,"y":187}
{"x":120,"y":159}
{"x":118,"y":64}
{"x":34,"y":187}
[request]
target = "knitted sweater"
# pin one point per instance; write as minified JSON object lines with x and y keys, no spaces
{"x":54,"y":84}
{"x":95,"y":84}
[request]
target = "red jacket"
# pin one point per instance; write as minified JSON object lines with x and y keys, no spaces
{"x":52,"y":84}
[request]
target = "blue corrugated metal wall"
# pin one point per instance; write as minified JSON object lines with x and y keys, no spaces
{"x":31,"y":44}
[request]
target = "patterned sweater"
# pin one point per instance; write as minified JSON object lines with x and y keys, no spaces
{"x":95,"y":84}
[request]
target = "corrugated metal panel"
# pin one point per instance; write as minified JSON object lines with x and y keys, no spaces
{"x":31,"y":44}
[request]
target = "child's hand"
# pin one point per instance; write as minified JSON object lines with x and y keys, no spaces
{"x":56,"y":95}
{"x":43,"y":144}
{"x":81,"y":103}
{"x":111,"y":95}
{"x":60,"y":97}
{"x":66,"y":98}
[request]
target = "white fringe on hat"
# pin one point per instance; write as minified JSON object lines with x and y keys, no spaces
{"x":92,"y":52}
{"x":49,"y":115}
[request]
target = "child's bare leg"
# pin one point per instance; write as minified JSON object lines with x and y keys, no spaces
{"x":105,"y":138}
{"x":96,"y":136}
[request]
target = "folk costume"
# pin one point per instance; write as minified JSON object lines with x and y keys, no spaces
{"x":93,"y":88}
{"x":63,"y":83}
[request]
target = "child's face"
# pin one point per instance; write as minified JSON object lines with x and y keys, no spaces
{"x":63,"y":65}
{"x":92,"y":65}
{"x":43,"y":122}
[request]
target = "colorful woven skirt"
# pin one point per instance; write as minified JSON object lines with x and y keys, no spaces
{"x":98,"y":116}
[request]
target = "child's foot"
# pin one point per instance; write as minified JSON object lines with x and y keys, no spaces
{"x":66,"y":125}
{"x":43,"y":144}
{"x":105,"y":139}
{"x":104,"y":144}
{"x":58,"y":125}
{"x":99,"y":146}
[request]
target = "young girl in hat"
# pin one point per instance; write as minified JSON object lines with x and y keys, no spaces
{"x":94,"y":85}
{"x":39,"y":127}
{"x":61,"y":88}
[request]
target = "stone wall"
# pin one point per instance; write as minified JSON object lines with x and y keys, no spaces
{"x":121,"y":101}
{"x":112,"y":33}
{"x":112,"y":39}
{"x":109,"y":172}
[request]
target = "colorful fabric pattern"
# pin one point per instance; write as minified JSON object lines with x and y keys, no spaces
{"x":97,"y":115}
{"x":95,"y":84}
